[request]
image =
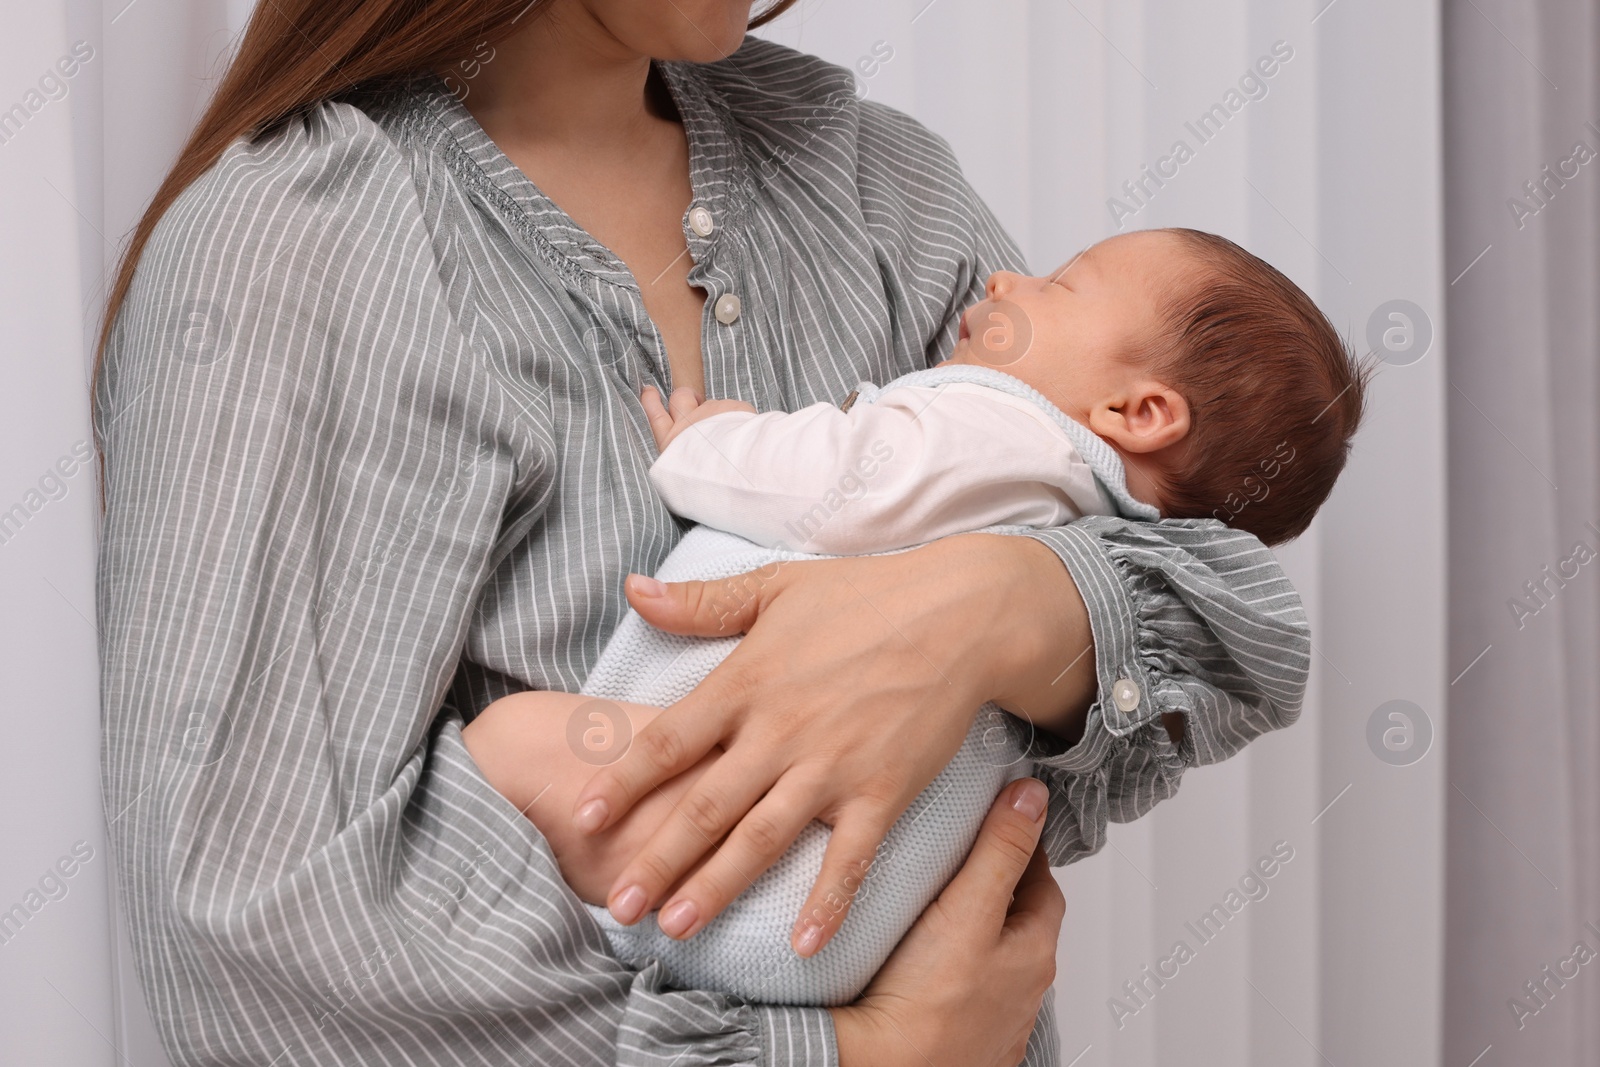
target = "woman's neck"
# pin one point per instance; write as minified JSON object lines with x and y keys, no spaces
{"x":564,"y":80}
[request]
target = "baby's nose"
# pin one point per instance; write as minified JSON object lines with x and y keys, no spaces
{"x":1000,"y":283}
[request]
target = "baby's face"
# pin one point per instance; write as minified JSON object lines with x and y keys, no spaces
{"x":1074,"y":334}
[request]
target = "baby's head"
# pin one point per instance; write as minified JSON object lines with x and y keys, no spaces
{"x":1225,"y":390}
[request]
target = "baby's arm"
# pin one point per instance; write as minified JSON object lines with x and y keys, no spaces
{"x":548,"y":782}
{"x":778,"y":478}
{"x":682,"y":410}
{"x":913,"y":466}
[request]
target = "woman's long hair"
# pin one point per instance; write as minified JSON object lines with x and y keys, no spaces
{"x":296,"y":53}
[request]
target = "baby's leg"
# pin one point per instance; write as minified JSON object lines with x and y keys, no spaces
{"x":573,"y":737}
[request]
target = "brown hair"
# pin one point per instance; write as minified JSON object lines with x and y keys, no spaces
{"x":1274,"y":395}
{"x":297,"y":53}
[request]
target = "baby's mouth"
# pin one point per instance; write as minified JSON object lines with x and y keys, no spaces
{"x":963,"y":333}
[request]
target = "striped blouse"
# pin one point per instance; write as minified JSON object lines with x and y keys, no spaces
{"x":374,"y":459}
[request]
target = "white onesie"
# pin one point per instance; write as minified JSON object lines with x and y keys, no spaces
{"x":943,"y":451}
{"x":931,"y":454}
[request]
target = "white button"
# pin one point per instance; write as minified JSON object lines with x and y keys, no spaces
{"x":727,"y":309}
{"x":701,"y":222}
{"x":1125,"y":694}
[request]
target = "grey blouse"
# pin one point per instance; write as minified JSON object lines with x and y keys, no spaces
{"x":374,"y":458}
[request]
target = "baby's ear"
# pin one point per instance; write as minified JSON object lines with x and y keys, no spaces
{"x":1148,"y":417}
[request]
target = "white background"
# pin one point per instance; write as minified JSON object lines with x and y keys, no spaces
{"x":1050,"y":104}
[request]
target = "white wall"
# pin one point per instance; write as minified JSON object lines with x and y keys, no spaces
{"x":55,"y":992}
{"x":1050,"y":104}
{"x":72,"y":181}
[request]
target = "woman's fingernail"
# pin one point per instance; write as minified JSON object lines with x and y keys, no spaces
{"x":1031,"y":800}
{"x":810,"y":937}
{"x":643,"y":585}
{"x":627,"y":907}
{"x":676,"y":920}
{"x":591,"y":816}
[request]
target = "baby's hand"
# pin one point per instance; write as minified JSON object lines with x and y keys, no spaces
{"x":682,"y":410}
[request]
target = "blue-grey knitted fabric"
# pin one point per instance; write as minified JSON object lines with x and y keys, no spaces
{"x":745,"y":950}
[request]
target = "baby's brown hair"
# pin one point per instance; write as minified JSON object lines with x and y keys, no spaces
{"x":1274,"y":394}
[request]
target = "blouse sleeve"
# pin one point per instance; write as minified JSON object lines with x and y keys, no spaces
{"x":1199,"y":618}
{"x":1189,"y":618}
{"x":310,"y":475}
{"x":936,"y":240}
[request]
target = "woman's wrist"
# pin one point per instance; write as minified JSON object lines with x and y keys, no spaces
{"x":860,"y":1043}
{"x":1041,"y":643}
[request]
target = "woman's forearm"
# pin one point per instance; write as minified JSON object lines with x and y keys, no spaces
{"x":1056,"y":699}
{"x":1046,"y":646}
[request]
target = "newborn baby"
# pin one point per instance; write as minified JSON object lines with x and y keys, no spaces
{"x":1165,"y":373}
{"x":1161,"y":371}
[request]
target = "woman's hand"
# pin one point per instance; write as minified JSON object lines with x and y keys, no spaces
{"x":858,"y":682}
{"x":965,"y":984}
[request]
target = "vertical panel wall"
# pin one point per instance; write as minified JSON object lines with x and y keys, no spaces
{"x":1383,"y":561}
{"x":55,"y":989}
{"x":139,"y":72}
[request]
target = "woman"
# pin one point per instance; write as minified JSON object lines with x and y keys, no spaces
{"x":375,"y":478}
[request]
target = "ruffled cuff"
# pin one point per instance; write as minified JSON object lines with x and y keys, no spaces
{"x":694,"y":1028}
{"x":1188,"y":618}
{"x":795,"y":1037}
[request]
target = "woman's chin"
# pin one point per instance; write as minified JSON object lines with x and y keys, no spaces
{"x":708,"y":31}
{"x":711,"y":48}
